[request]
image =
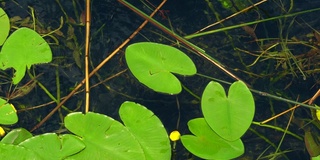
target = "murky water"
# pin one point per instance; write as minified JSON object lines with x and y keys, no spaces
{"x":112,"y":23}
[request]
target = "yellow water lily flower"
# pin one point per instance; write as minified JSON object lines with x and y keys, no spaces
{"x":174,"y":136}
{"x":2,"y":132}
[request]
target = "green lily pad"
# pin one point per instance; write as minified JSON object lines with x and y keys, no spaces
{"x":230,"y":117}
{"x":205,"y":143}
{"x":147,"y":129}
{"x":104,"y":137}
{"x":8,"y":113}
{"x":10,"y":151}
{"x":51,"y":146}
{"x":5,"y":26}
{"x":23,"y":48}
{"x":16,"y":136}
{"x":153,"y":65}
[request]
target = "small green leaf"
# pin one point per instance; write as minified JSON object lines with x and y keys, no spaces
{"x":147,"y":129}
{"x":51,"y":146}
{"x":312,"y":146}
{"x":315,"y":158}
{"x":153,"y":65}
{"x":23,"y":48}
{"x":8,"y":113}
{"x":104,"y":137}
{"x":230,"y":117}
{"x":16,"y":136}
{"x":5,"y":26}
{"x":205,"y":143}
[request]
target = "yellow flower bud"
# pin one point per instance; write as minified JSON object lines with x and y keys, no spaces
{"x":174,"y":136}
{"x":2,"y":132}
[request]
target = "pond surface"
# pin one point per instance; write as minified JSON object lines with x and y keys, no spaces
{"x":280,"y":57}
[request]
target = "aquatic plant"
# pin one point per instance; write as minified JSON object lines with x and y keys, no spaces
{"x":163,"y":68}
{"x":94,"y":136}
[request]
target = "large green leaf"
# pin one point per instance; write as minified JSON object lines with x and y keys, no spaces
{"x":5,"y":26}
{"x":231,"y":116}
{"x":8,"y":113}
{"x":104,"y":137}
{"x":153,"y":64}
{"x":147,"y":129}
{"x":23,"y":48}
{"x":12,"y":152}
{"x":51,"y":146}
{"x":16,"y":136}
{"x":205,"y":143}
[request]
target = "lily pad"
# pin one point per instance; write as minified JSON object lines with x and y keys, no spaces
{"x":16,"y":136}
{"x":153,"y":65}
{"x":230,"y":117}
{"x":10,"y":151}
{"x":205,"y":143}
{"x":104,"y":137}
{"x":24,"y":48}
{"x":51,"y":146}
{"x":147,"y":129}
{"x":5,"y":26}
{"x":8,"y":113}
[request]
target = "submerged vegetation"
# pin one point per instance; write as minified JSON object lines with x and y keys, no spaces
{"x":178,"y":66}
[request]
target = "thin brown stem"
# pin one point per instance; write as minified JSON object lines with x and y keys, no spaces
{"x":193,"y":47}
{"x":233,"y":15}
{"x":96,"y":69}
{"x":88,"y":19}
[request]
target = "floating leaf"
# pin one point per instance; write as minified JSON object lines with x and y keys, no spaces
{"x":16,"y":136}
{"x":23,"y":48}
{"x":10,"y":151}
{"x":153,"y":65}
{"x":5,"y":26}
{"x":230,"y":117}
{"x":51,"y":146}
{"x":104,"y":137}
{"x":205,"y":143}
{"x":147,"y":129}
{"x":8,"y":113}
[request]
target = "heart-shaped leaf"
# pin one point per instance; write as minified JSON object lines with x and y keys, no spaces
{"x":16,"y":136}
{"x":8,"y":113}
{"x":10,"y":151}
{"x":23,"y":48}
{"x":205,"y":143}
{"x":153,"y":64}
{"x":104,"y":137}
{"x":230,"y":117}
{"x":51,"y":146}
{"x":5,"y":26}
{"x":147,"y":129}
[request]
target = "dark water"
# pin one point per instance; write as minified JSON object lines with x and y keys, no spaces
{"x":112,"y":23}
